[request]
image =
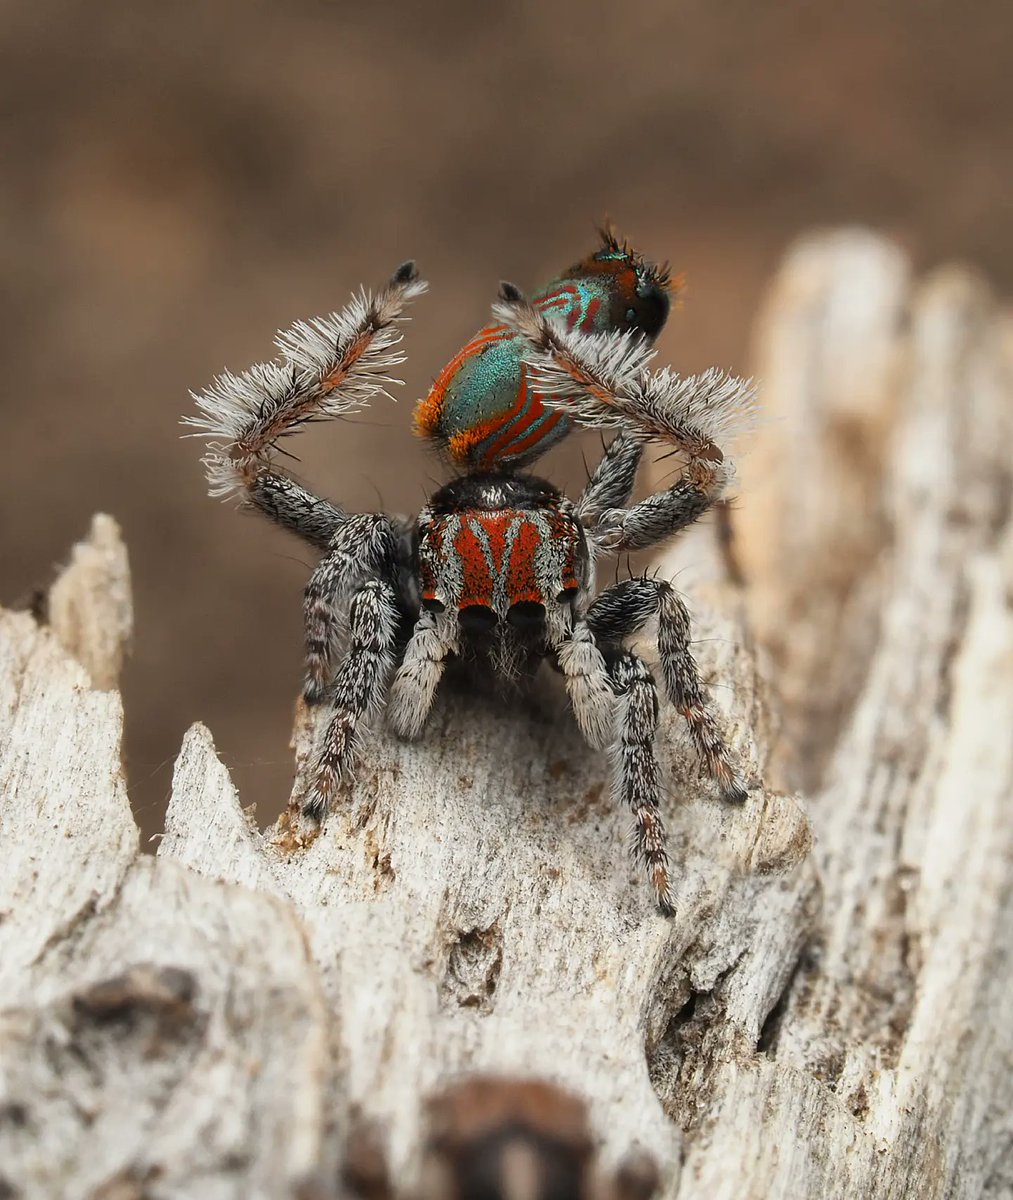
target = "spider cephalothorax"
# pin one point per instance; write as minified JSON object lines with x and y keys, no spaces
{"x":498,"y":566}
{"x":505,"y":553}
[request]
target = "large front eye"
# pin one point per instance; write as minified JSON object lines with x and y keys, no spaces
{"x":433,"y":605}
{"x":650,"y":310}
{"x":526,"y":614}
{"x":477,"y":618}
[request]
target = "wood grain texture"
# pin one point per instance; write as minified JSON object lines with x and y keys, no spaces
{"x":215,"y":1021}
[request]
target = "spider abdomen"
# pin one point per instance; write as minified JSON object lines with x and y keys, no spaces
{"x":482,"y":407}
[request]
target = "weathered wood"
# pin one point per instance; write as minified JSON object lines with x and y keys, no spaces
{"x":213,"y":1021}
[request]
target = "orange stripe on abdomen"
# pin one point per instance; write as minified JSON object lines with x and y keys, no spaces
{"x":429,"y":411}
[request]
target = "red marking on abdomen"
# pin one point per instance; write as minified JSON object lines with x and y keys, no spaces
{"x":587,"y":325}
{"x":536,"y":435}
{"x":462,"y":444}
{"x":509,"y":419}
{"x":560,"y":296}
{"x":568,"y":296}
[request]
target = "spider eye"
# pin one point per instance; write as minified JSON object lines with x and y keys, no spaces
{"x":477,"y":618}
{"x":526,"y":614}
{"x":651,"y":312}
{"x":567,"y":595}
{"x":433,"y":605}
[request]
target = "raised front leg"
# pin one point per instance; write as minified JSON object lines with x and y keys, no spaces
{"x":603,"y":380}
{"x":613,"y":480}
{"x":660,"y":516}
{"x":329,"y":367}
{"x":295,"y":508}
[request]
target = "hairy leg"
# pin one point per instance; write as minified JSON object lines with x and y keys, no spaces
{"x":603,"y":380}
{"x":624,"y":609}
{"x":361,"y":545}
{"x":295,"y":508}
{"x":587,"y":684}
{"x":660,"y":516}
{"x":621,"y":611}
{"x":682,"y":681}
{"x":413,"y":689}
{"x":358,"y":688}
{"x":612,"y":483}
{"x":328,"y":367}
{"x":637,"y":779}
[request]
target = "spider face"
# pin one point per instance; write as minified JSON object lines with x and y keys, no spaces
{"x":505,"y":552}
{"x":499,"y":565}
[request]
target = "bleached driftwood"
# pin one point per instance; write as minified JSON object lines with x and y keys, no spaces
{"x":212,"y":1022}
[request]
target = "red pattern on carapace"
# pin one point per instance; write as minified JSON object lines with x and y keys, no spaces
{"x":500,"y":547}
{"x":479,"y":580}
{"x":520,"y":570}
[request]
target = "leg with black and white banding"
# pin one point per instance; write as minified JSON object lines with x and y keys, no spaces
{"x":622,"y":611}
{"x":362,"y":544}
{"x":612,"y":482}
{"x":664,"y":514}
{"x":358,"y":688}
{"x":295,"y":507}
{"x":636,"y":778}
{"x":682,"y":681}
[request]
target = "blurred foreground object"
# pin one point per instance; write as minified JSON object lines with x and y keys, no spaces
{"x":493,"y":1138}
{"x":216,"y":1020}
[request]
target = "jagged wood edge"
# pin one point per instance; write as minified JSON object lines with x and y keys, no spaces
{"x":160,"y":1034}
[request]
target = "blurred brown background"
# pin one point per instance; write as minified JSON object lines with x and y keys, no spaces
{"x":180,"y":180}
